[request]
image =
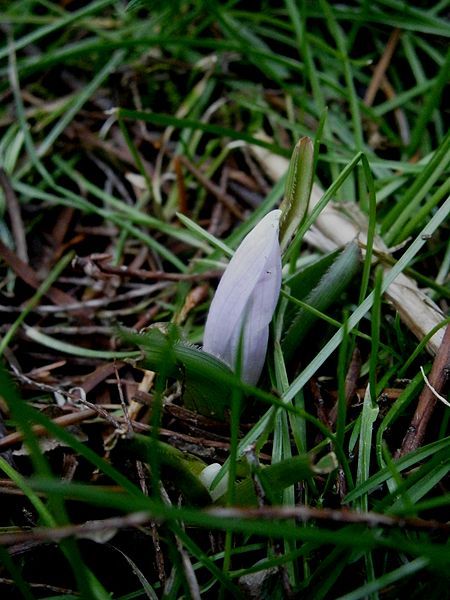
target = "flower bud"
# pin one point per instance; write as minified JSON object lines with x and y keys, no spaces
{"x":245,"y":300}
{"x":208,"y":475}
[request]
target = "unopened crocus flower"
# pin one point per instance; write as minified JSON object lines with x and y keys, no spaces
{"x":245,"y":301}
{"x":208,"y":475}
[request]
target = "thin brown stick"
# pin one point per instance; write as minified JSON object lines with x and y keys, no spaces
{"x":214,"y":189}
{"x":28,"y":275}
{"x":82,"y":415}
{"x":351,"y":380}
{"x":17,"y":228}
{"x":427,"y":400}
{"x":41,"y":586}
{"x":39,"y":430}
{"x":78,"y":416}
{"x":156,"y":275}
{"x":303,"y":513}
{"x":85,"y":530}
{"x":123,"y":403}
{"x":322,"y":412}
{"x":181,"y":186}
{"x":306,"y":513}
{"x":159,"y":555}
{"x":381,"y":67}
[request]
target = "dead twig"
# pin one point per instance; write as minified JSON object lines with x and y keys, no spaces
{"x":41,"y":586}
{"x":308,"y":513}
{"x":381,"y":67}
{"x":351,"y":380}
{"x":85,"y":530}
{"x":39,"y":430}
{"x":28,"y":275}
{"x":18,"y":230}
{"x":181,"y":186}
{"x":427,"y":399}
{"x":156,"y":275}
{"x":228,"y":201}
{"x":322,"y":412}
{"x":78,"y":416}
{"x":123,"y":403}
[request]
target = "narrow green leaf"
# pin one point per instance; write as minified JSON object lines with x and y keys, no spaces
{"x":298,"y":189}
{"x":328,"y":290}
{"x":365,"y":487}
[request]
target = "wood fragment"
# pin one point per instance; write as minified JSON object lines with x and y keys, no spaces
{"x":64,"y":421}
{"x":181,"y":186}
{"x":228,"y":201}
{"x":308,"y":513}
{"x":123,"y":403}
{"x":427,"y":400}
{"x":28,"y":275}
{"x":17,"y":227}
{"x":381,"y":67}
{"x":61,"y":227}
{"x":85,"y":530}
{"x":78,"y":416}
{"x":196,"y":296}
{"x":144,"y":275}
{"x":351,"y":379}
{"x":322,"y":412}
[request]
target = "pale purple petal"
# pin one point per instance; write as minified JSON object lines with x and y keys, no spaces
{"x":259,"y":312}
{"x":246,"y":299}
{"x":256,"y":318}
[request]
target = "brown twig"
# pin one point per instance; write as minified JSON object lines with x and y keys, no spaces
{"x":427,"y":400}
{"x":307,"y":513}
{"x":85,"y":530}
{"x":351,"y":380}
{"x":214,"y":189}
{"x":78,"y":416}
{"x":41,"y":586}
{"x":15,"y":216}
{"x":322,"y":412}
{"x":181,"y":186}
{"x":381,"y":67}
{"x":28,"y":275}
{"x":76,"y":307}
{"x":159,"y":555}
{"x":123,"y":403}
{"x":157,"y":275}
{"x":303,"y":513}
{"x":39,"y":430}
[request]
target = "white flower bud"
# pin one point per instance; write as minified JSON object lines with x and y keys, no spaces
{"x":245,"y":300}
{"x":208,"y":475}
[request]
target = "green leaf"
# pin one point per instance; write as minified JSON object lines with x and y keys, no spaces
{"x":198,"y":370}
{"x":328,"y":290}
{"x":179,"y":467}
{"x":303,"y":281}
{"x":298,"y":189}
{"x":401,"y":464}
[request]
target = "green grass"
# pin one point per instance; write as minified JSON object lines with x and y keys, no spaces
{"x":125,"y":133}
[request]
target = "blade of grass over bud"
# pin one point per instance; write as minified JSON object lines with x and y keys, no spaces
{"x":246,"y":299}
{"x":298,"y":189}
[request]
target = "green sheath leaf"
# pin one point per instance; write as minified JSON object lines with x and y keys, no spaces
{"x":329,"y":289}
